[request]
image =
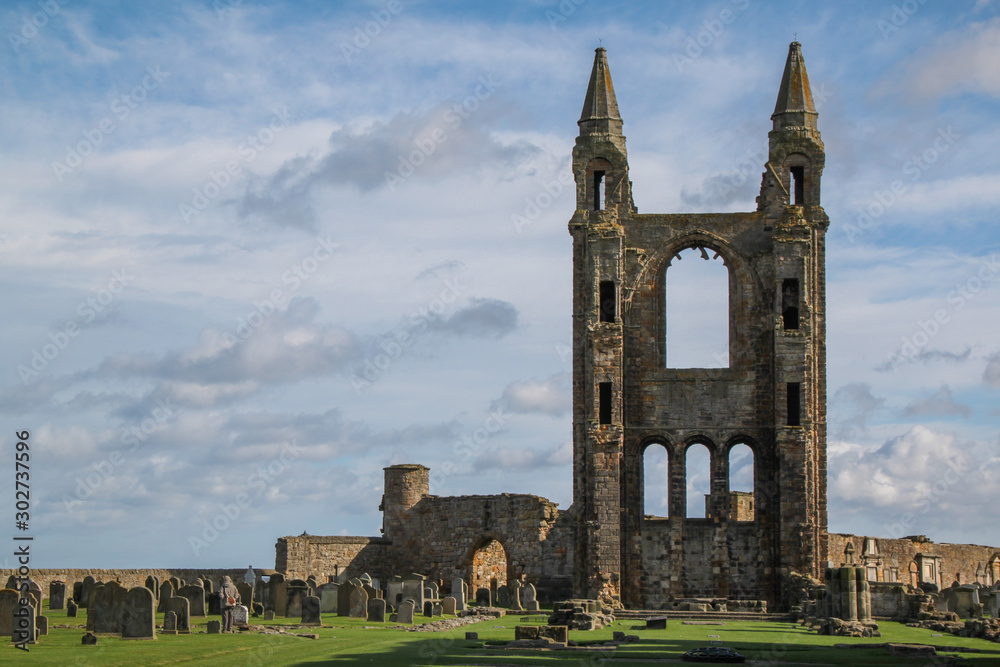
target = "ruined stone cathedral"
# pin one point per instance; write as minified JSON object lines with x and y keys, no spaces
{"x":770,"y":397}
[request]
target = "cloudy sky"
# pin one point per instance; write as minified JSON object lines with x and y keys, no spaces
{"x":255,"y":252}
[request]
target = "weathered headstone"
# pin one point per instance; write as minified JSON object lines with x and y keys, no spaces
{"x":436,"y":609}
{"x":77,"y":591}
{"x":207,"y":584}
{"x":268,"y":614}
{"x":372,"y":592}
{"x":458,"y":592}
{"x":530,"y":597}
{"x":483,"y":598}
{"x":376,"y":610}
{"x":57,"y":594}
{"x":276,"y":594}
{"x":167,"y":591}
{"x":89,"y":639}
{"x":394,"y":590}
{"x":448,"y":605}
{"x":241,"y":616}
{"x":246,"y":593}
{"x":182,"y":608}
{"x":656,"y":623}
{"x":12,"y":583}
{"x":434,"y":589}
{"x":359,"y":603}
{"x":310,"y":611}
{"x":327,"y":594}
{"x":8,"y":604}
{"x":42,"y":625}
{"x":405,"y":613}
{"x":214,"y":627}
{"x":515,"y":595}
{"x":153,"y":584}
{"x":344,"y":598}
{"x":138,"y":620}
{"x":196,"y":598}
{"x":503,"y":597}
{"x":169,"y":623}
{"x":428,"y":608}
{"x":71,"y":609}
{"x":295,"y":591}
{"x":176,"y":582}
{"x":86,"y":585}
{"x":413,"y":589}
{"x":104,"y":613}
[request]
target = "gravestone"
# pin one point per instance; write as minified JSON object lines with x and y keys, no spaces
{"x":196,"y":598}
{"x":448,"y":605}
{"x":372,"y":592}
{"x":359,"y":603}
{"x":166,"y":592}
{"x":276,"y":594}
{"x":214,"y":603}
{"x":963,"y":600}
{"x":515,"y":595}
{"x":394,"y":590}
{"x":214,"y":627}
{"x":24,"y":625}
{"x":503,"y":597}
{"x":257,"y":609}
{"x":241,"y":616}
{"x":8,"y":604}
{"x":85,"y":586}
{"x":89,"y":639}
{"x":295,"y":591}
{"x":57,"y":594}
{"x":405,"y":613}
{"x":483,"y":598}
{"x":530,"y":598}
{"x":106,"y":604}
{"x":434,"y":589}
{"x":413,"y":589}
{"x":436,"y":609}
{"x":246,"y":593}
{"x":310,"y":611}
{"x":376,"y":610}
{"x":182,"y":609}
{"x":327,"y":594}
{"x":176,"y":583}
{"x":656,"y":623}
{"x":153,"y":584}
{"x":12,"y":583}
{"x":344,"y":598}
{"x":77,"y":591}
{"x":428,"y":608}
{"x":43,"y":625}
{"x":365,"y":578}
{"x":71,"y":609}
{"x":138,"y":620}
{"x":209,"y":587}
{"x":268,"y":614}
{"x":458,"y":592}
{"x":169,"y":623}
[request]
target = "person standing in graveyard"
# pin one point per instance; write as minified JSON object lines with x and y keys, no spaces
{"x":230,"y":598}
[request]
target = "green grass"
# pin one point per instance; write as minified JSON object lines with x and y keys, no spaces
{"x":345,"y":641}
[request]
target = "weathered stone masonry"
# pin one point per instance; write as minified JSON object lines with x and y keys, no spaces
{"x":770,"y":397}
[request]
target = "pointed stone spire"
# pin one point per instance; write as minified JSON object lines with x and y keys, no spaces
{"x":600,"y":108}
{"x":794,"y":107}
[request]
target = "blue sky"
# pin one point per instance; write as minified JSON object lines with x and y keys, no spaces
{"x":220,"y":309}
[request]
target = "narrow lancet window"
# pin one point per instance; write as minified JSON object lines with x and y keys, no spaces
{"x":608,"y":301}
{"x":604,"y":402}
{"x":599,"y":194}
{"x":794,"y":404}
{"x":790,"y":303}
{"x":798,"y":179}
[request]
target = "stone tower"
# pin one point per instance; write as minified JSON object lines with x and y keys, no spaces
{"x":771,"y":397}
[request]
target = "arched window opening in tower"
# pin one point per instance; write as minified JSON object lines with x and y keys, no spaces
{"x":697,"y":310}
{"x":655,"y":481}
{"x":741,"y":483}
{"x":697,"y":476}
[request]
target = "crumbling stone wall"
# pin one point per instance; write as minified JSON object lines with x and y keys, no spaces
{"x":338,"y":557}
{"x":128,"y":578}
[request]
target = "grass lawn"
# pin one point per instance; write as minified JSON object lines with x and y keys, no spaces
{"x":344,"y":641}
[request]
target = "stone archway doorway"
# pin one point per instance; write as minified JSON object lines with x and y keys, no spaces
{"x":490,"y":565}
